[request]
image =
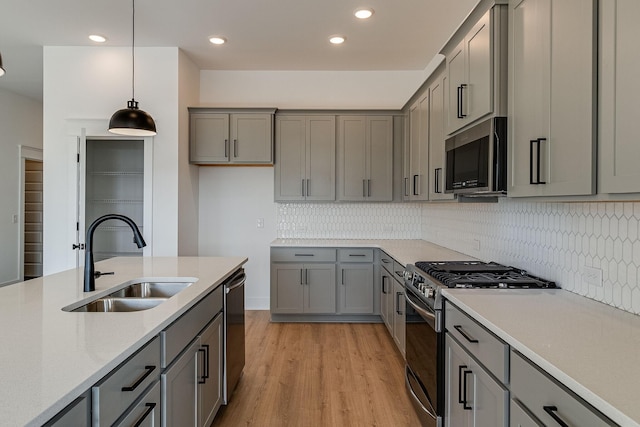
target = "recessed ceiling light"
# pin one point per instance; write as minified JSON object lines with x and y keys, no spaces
{"x":97,"y":38}
{"x":217,"y":40}
{"x":336,"y":39}
{"x":363,"y":13}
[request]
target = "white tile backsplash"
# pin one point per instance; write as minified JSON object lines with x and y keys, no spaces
{"x":552,"y":240}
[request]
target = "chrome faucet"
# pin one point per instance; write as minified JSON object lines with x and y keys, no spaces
{"x":89,"y":270}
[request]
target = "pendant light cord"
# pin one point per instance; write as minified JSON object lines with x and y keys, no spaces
{"x":133,"y":44}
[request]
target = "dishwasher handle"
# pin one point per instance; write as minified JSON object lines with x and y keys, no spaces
{"x":236,"y":281}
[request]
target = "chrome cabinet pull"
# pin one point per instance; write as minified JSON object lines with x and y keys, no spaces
{"x":465,"y":334}
{"x":149,"y":369}
{"x":551,"y":410}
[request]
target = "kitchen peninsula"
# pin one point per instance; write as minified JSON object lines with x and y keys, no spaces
{"x":50,"y":357}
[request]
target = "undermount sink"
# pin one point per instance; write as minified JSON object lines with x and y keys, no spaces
{"x":136,"y":295}
{"x":151,"y":289}
{"x":109,"y":304}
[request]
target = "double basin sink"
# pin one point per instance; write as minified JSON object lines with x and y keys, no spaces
{"x":136,"y":296}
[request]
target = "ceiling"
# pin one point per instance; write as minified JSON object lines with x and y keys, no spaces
{"x":261,"y":34}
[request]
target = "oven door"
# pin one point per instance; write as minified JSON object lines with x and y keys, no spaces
{"x":422,"y":349}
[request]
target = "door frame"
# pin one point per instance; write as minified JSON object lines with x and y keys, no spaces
{"x":25,"y":153}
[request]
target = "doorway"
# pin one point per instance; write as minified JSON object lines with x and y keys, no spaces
{"x":32,"y":219}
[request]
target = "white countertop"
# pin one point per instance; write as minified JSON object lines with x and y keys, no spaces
{"x":590,"y":347}
{"x":48,"y":357}
{"x":403,"y":251}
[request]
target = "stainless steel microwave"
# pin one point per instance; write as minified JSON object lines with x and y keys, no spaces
{"x":476,"y":160}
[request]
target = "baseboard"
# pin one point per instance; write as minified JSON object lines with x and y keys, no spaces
{"x":256,"y":303}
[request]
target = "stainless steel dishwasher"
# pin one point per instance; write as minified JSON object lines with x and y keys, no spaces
{"x":233,"y":332}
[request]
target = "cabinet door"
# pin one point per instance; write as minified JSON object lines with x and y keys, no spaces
{"x":488,"y":398}
{"x":419,"y":148}
{"x":386,"y":298}
{"x":290,"y":165}
{"x":457,"y":376}
{"x":619,"y":86}
{"x":209,"y":138}
{"x":477,"y":96}
{"x":210,"y":382}
{"x":320,"y":288}
{"x":320,"y":158}
{"x":436,"y":141}
{"x":456,"y":77}
{"x":399,"y":307}
{"x":406,"y":157}
{"x":179,"y":389}
{"x":379,"y":153}
{"x":252,"y":138}
{"x":519,"y":416}
{"x":551,"y":106}
{"x":356,"y":288}
{"x":287,"y":288}
{"x":352,"y":164}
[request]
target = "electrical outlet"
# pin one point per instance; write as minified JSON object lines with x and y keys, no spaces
{"x":475,"y":243}
{"x":592,"y":276}
{"x":15,"y":219}
{"x":260,"y":223}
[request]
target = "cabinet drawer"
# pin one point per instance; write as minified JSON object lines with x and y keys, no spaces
{"x":146,"y":412}
{"x":180,"y":333}
{"x":486,"y":347}
{"x":303,"y":255}
{"x":543,"y":396}
{"x":116,"y":392}
{"x":355,"y":255}
{"x":386,"y":261}
{"x":77,"y":414}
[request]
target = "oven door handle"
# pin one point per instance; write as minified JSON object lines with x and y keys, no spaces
{"x":419,"y":309}
{"x":431,"y":412}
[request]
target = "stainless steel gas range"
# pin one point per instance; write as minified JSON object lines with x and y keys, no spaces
{"x":424,"y":281}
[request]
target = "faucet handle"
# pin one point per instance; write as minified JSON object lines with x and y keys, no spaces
{"x":98,"y":274}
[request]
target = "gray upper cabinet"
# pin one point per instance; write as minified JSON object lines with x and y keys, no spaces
{"x":552,"y":105}
{"x":418,"y":155}
{"x":619,"y":86}
{"x":470,"y":68}
{"x":365,"y":158}
{"x":305,"y":158}
{"x":437,"y":109}
{"x":221,"y":137}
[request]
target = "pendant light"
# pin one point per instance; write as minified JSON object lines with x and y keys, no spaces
{"x":131,"y":120}
{"x":1,"y":66}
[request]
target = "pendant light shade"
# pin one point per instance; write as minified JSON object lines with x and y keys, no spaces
{"x":132,"y":121}
{"x":1,"y":66}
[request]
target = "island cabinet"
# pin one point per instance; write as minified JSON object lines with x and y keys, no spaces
{"x":365,"y":158}
{"x":230,"y":136}
{"x":303,"y":281}
{"x":77,"y":413}
{"x":618,"y":89}
{"x":305,"y":166}
{"x":552,"y":80}
{"x":192,"y":362}
{"x":355,"y":281}
{"x":476,"y":371}
{"x":474,"y":69}
{"x":545,"y":401}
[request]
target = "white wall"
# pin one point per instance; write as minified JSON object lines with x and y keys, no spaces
{"x":20,"y":124}
{"x":92,"y":83}
{"x":231,"y":199}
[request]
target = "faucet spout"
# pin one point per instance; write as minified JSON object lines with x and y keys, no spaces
{"x":89,"y":268}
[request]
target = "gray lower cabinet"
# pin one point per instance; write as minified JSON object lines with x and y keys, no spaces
{"x":473,"y":397}
{"x":180,"y":389}
{"x":114,"y":394}
{"x":545,"y":399}
{"x":146,"y":411}
{"x":210,"y":383}
{"x":392,"y":301}
{"x":399,"y":307}
{"x":303,"y":288}
{"x":386,"y":298}
{"x":77,"y":413}
{"x":355,"y":288}
{"x":519,"y":416}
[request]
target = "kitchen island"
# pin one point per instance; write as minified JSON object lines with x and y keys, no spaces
{"x":49,"y":357}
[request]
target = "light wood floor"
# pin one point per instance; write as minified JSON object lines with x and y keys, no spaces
{"x":312,"y":374}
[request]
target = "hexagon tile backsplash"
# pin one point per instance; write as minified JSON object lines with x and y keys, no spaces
{"x":592,"y":249}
